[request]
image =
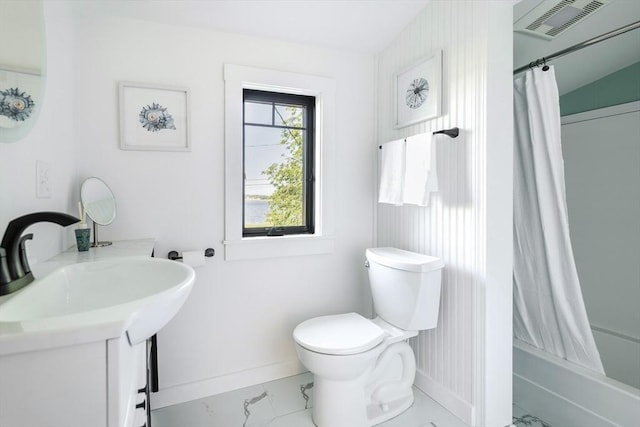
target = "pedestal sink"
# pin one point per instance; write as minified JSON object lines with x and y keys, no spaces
{"x":95,"y":301}
{"x":73,"y":343}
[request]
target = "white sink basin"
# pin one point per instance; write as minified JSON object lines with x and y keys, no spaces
{"x":136,"y":295}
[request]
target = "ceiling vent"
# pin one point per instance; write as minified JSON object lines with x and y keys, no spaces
{"x":552,"y":17}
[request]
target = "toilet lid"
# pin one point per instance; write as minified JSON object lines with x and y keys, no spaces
{"x":340,"y":334}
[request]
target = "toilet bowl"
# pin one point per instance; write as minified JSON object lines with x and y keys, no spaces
{"x":363,"y":368}
{"x":350,"y":388}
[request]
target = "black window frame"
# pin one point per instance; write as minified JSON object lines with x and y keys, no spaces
{"x":308,"y":161}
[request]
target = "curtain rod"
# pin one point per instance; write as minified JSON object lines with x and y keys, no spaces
{"x":579,"y":46}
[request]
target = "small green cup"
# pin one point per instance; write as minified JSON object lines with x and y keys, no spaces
{"x":82,"y":239}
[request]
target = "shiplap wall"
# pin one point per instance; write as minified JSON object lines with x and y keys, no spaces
{"x":451,"y":359}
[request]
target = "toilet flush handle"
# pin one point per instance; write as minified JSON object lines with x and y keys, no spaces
{"x":366,"y":263}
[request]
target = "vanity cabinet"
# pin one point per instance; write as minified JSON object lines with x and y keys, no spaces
{"x":55,"y":387}
{"x":127,"y":385}
{"x":69,"y":386}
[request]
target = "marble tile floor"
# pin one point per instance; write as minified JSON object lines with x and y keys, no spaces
{"x":284,"y":403}
{"x":522,"y":419}
{"x":287,"y":403}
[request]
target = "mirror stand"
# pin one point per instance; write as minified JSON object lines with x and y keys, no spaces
{"x":96,"y":243}
{"x":97,"y":202}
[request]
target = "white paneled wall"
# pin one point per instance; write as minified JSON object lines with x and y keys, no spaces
{"x":456,"y":226}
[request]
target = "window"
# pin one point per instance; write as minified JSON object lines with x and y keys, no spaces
{"x":278,"y":163}
{"x":319,"y":239}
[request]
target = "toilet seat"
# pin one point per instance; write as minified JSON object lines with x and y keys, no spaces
{"x":341,"y":334}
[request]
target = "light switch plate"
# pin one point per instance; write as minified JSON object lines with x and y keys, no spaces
{"x":43,"y":180}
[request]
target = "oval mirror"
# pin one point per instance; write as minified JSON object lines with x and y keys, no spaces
{"x":98,"y":201}
{"x":99,"y":205}
{"x":21,"y":67}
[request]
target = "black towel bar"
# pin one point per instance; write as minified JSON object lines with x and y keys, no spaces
{"x":451,"y":133}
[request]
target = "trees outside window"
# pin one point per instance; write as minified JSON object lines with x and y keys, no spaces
{"x":278,"y":152}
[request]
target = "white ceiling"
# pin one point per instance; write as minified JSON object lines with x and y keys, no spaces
{"x":370,"y":25}
{"x":589,"y":64}
{"x":362,"y":25}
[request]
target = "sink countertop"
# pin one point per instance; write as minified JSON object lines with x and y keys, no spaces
{"x":15,"y":338}
{"x":121,"y":248}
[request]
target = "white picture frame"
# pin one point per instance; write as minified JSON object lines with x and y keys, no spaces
{"x":154,"y":117}
{"x":418,"y":91}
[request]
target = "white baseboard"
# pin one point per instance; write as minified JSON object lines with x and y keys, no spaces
{"x":233,"y":381}
{"x":449,"y":400}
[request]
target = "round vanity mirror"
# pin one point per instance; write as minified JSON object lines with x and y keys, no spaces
{"x":99,"y":204}
{"x":21,"y":67}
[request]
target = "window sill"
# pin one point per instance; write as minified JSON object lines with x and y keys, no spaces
{"x":277,"y":247}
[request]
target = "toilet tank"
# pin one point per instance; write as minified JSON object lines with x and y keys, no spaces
{"x":405,"y":287}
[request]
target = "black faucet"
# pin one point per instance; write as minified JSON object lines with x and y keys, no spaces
{"x":15,"y":272}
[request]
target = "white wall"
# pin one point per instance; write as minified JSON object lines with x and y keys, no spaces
{"x":601,"y":153}
{"x":51,"y":141}
{"x":236,"y":327}
{"x":464,"y":363}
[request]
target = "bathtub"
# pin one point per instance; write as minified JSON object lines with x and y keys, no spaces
{"x":567,"y":395}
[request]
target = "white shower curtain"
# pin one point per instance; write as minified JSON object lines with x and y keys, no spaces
{"x":549,"y":311}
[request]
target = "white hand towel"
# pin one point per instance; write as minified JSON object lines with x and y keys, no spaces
{"x":392,"y":172}
{"x":421,"y":177}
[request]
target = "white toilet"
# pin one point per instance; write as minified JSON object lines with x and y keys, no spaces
{"x":363,"y":368}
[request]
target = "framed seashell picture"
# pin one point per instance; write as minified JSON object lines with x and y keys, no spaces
{"x":418,"y":91}
{"x":154,"y":117}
